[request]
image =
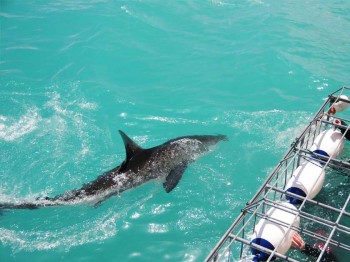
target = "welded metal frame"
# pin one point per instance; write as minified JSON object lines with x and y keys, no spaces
{"x":272,"y":192}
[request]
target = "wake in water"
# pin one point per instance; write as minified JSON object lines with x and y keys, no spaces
{"x":89,"y":228}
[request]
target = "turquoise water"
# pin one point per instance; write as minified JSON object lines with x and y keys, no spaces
{"x":73,"y":72}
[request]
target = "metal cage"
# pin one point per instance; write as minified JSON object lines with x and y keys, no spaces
{"x":324,"y":219}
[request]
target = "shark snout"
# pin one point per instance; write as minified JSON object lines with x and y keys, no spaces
{"x":212,"y":140}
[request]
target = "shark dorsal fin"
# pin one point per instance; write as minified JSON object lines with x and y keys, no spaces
{"x":131,"y":148}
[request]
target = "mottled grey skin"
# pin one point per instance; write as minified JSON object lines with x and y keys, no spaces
{"x":168,"y":161}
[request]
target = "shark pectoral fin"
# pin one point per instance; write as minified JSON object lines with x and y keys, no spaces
{"x":174,"y":177}
{"x":98,"y":204}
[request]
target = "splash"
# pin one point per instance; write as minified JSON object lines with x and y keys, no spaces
{"x":67,"y":237}
{"x":90,"y":228}
{"x":71,"y":113}
{"x":12,"y":129}
{"x":169,"y":120}
{"x":276,"y":129}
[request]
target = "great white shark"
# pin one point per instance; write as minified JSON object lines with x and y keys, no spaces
{"x":167,"y":161}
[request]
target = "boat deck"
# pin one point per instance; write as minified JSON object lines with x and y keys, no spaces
{"x":325,"y":219}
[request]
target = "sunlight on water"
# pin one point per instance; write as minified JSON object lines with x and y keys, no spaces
{"x":73,"y":73}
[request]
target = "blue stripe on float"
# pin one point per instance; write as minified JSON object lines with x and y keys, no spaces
{"x":260,"y":255}
{"x":321,"y":152}
{"x":296,"y":191}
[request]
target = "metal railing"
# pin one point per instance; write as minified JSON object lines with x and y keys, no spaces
{"x":324,"y":219}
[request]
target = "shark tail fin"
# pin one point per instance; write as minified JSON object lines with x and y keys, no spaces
{"x":131,"y":147}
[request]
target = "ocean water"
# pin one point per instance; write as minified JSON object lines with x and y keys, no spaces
{"x":74,"y":72}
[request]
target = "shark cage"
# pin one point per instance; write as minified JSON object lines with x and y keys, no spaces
{"x":306,"y":195}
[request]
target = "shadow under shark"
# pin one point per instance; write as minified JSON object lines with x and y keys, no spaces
{"x":167,"y":161}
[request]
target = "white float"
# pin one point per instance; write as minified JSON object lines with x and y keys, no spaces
{"x":307,"y":180}
{"x":340,"y":105}
{"x":275,"y":234}
{"x":329,"y":143}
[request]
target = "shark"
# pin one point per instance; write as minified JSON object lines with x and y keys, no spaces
{"x":166,"y":162}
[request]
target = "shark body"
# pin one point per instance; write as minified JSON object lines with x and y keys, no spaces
{"x":167,"y":161}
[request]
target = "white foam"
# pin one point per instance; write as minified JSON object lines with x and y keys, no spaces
{"x":141,"y":139}
{"x":123,"y":115}
{"x":276,"y":128}
{"x":11,"y":129}
{"x":69,"y":113}
{"x":157,"y":228}
{"x":161,"y":119}
{"x":257,"y":2}
{"x":135,"y":215}
{"x":55,"y":103}
{"x":159,"y":209}
{"x":84,"y":150}
{"x":192,"y":217}
{"x":169,"y":120}
{"x":88,"y":230}
{"x":78,"y":234}
{"x":88,"y":105}
{"x":125,"y":9}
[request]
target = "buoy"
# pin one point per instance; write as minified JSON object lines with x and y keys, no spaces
{"x":340,"y":105}
{"x":275,"y":234}
{"x":306,"y":180}
{"x":329,"y":143}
